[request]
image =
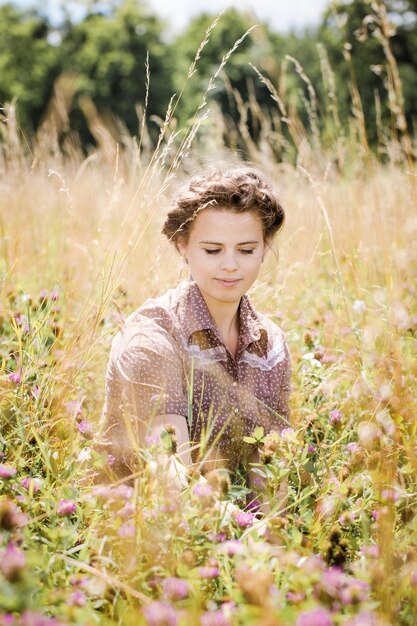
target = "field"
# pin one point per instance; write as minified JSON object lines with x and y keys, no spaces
{"x":79,"y":250}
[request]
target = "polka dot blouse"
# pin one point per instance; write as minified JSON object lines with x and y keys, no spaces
{"x":170,"y":358}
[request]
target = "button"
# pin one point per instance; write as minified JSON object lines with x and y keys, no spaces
{"x":234,"y":383}
{"x":236,"y":410}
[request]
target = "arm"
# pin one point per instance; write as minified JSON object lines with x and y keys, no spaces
{"x":183,"y":441}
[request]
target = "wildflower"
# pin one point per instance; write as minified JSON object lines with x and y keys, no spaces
{"x":217,"y":537}
{"x":335,"y":417}
{"x":54,"y":295}
{"x":10,"y":515}
{"x":244,"y":519}
{"x":389,"y":495}
{"x":15,"y":378}
{"x":176,"y":588}
{"x":126,"y":511}
{"x":354,"y":592}
{"x":311,"y":449}
{"x":31,"y":484}
{"x":111,"y":459}
{"x":254,"y":505}
{"x":84,"y":428}
{"x":211,"y":570}
{"x":232,"y":547}
{"x":287,"y":433}
{"x":296,"y":598}
{"x":352,"y":447}
{"x":122,"y":492}
{"x":12,"y":562}
{"x":77,"y":598}
{"x":127,"y":531}
{"x":315,"y":617}
{"x":214,"y":618}
{"x":203,"y":490}
{"x":371,"y":551}
{"x":161,"y":614}
{"x":74,"y":408}
{"x":375,"y":515}
{"x":33,"y":618}
{"x":364,"y":618}
{"x":66,"y":507}
{"x":7,"y":471}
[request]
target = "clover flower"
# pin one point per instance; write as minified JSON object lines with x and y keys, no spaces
{"x":77,"y":598}
{"x":214,"y":618}
{"x":11,"y":516}
{"x":33,"y":618}
{"x":31,"y":484}
{"x":15,"y":378}
{"x":211,"y":570}
{"x":84,"y":428}
{"x":364,"y":618}
{"x":315,"y":617}
{"x":7,"y":471}
{"x":66,"y":507}
{"x":244,"y":519}
{"x":126,"y":531}
{"x":176,"y":588}
{"x":232,"y":547}
{"x":203,"y":490}
{"x":12,"y":562}
{"x":161,"y":614}
{"x":335,"y":417}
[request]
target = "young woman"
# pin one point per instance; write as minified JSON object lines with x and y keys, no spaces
{"x":200,"y":357}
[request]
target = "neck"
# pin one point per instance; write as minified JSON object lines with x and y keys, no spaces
{"x":225,"y":315}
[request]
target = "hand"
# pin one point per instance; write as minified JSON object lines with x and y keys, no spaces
{"x":173,"y":471}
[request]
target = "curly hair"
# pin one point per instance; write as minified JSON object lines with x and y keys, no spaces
{"x":238,"y":189}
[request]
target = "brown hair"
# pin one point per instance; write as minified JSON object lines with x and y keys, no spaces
{"x":239,"y":189}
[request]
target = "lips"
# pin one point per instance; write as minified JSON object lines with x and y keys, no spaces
{"x":228,"y":282}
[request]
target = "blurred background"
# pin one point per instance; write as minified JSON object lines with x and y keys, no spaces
{"x":86,"y":63}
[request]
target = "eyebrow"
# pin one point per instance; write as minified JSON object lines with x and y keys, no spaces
{"x":216,"y":243}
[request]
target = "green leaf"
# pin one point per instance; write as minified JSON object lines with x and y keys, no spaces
{"x":249,"y":439}
{"x":258,"y":432}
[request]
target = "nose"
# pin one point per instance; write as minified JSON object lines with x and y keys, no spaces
{"x":229,"y":262}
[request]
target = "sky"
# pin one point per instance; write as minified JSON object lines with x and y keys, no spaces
{"x":281,"y":15}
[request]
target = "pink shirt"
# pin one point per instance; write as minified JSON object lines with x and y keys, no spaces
{"x":170,"y":358}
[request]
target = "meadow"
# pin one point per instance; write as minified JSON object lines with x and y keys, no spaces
{"x":79,"y":250}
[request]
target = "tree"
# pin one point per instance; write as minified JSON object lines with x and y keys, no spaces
{"x":29,"y":63}
{"x":108,"y":52}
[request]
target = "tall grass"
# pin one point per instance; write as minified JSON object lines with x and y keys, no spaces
{"x":80,"y":249}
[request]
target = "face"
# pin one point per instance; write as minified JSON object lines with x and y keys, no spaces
{"x":224,"y":251}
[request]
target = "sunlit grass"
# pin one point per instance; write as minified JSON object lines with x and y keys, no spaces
{"x":79,"y":250}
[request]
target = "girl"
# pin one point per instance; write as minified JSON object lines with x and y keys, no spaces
{"x":200,"y":357}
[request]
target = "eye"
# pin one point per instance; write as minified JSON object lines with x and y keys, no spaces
{"x":212,"y":250}
{"x":247,"y":250}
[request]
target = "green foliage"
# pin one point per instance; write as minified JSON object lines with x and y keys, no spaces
{"x":29,"y":64}
{"x":108,"y":53}
{"x":105,"y":55}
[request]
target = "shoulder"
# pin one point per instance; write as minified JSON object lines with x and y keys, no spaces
{"x":152,"y":328}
